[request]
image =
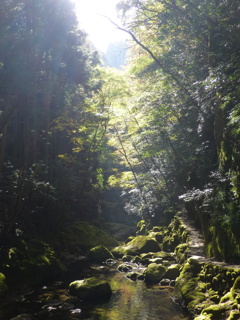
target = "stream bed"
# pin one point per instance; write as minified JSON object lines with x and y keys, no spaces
{"x":130,"y":300}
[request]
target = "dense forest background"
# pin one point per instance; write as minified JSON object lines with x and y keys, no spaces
{"x":80,"y":141}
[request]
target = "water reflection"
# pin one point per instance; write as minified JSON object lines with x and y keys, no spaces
{"x":133,"y":301}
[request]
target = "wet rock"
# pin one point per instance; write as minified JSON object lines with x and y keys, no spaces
{"x":124,"y":268}
{"x":127,"y":257}
{"x":135,"y":275}
{"x":156,"y":260}
{"x":100,"y":269}
{"x":76,"y":311}
{"x":136,"y":259}
{"x":165,"y":282}
{"x":90,"y":288}
{"x":23,"y":317}
{"x":100,"y":254}
{"x":110,"y":262}
{"x":67,"y":306}
{"x":154,"y":273}
{"x":52,"y":303}
{"x":172,"y":283}
{"x":173,"y":271}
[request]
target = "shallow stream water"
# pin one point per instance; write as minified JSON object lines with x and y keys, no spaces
{"x":130,"y":300}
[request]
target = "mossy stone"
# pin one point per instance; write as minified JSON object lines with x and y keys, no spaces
{"x":136,"y":259}
{"x":143,"y":244}
{"x":100,"y":254}
{"x":127,"y":258}
{"x":216,"y":311}
{"x":234,"y":315}
{"x":3,"y":286}
{"x":156,"y":260}
{"x":124,"y":267}
{"x":140,"y":244}
{"x":90,"y":288}
{"x":120,"y":251}
{"x":236,"y":285}
{"x":154,"y":273}
{"x":227,"y":297}
{"x":173,"y":271}
{"x":156,"y":229}
{"x":135,"y":275}
{"x":181,"y":252}
{"x":159,"y":236}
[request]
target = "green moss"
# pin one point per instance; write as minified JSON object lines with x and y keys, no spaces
{"x":120,"y":251}
{"x":90,"y":288}
{"x":170,"y":242}
{"x":83,"y":236}
{"x":227,"y":297}
{"x":172,"y":272}
{"x":3,"y":286}
{"x":236,"y":285}
{"x":189,"y":285}
{"x":181,"y":252}
{"x":32,"y":262}
{"x":100,"y":254}
{"x":154,"y":273}
{"x":127,"y":258}
{"x":234,"y":315}
{"x":216,"y":311}
{"x":139,"y":244}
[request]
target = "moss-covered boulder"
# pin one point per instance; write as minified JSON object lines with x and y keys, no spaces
{"x":154,"y":273}
{"x":127,"y":258}
{"x":3,"y":286}
{"x":140,"y":244}
{"x":99,"y":254}
{"x":90,"y":289}
{"x":181,"y":252}
{"x":31,"y":263}
{"x":189,"y":285}
{"x":173,"y":271}
{"x":219,"y":311}
{"x":121,"y":251}
{"x":158,"y":236}
{"x":143,"y":244}
{"x":170,"y":242}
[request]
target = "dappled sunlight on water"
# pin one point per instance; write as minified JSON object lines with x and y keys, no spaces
{"x":133,"y":300}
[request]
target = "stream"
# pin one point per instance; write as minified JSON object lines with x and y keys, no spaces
{"x":130,"y":300}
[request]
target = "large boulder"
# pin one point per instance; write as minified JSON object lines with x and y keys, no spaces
{"x":100,"y":254}
{"x":154,"y":273}
{"x":90,"y":289}
{"x":140,"y":244}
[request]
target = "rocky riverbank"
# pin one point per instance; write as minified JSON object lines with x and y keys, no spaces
{"x":171,"y":256}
